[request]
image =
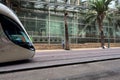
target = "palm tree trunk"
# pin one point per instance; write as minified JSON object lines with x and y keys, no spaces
{"x":100,"y":21}
{"x":66,"y":32}
{"x":102,"y":39}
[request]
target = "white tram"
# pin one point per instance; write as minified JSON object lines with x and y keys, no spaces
{"x":15,"y":43}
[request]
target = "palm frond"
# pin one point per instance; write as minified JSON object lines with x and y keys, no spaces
{"x":90,"y":17}
{"x":99,"y":5}
{"x":107,"y":2}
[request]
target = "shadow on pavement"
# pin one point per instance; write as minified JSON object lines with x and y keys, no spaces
{"x":15,"y":63}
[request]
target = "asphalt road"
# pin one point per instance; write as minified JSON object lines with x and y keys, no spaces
{"x":104,"y":70}
{"x":47,"y":59}
{"x":38,"y":68}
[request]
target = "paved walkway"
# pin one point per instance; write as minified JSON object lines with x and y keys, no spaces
{"x":55,"y":58}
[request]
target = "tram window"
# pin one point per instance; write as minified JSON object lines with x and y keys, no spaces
{"x":17,"y":38}
{"x":20,"y":37}
{"x":13,"y":31}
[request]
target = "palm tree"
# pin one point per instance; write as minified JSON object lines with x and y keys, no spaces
{"x":99,"y":9}
{"x":67,"y":47}
{"x":66,"y":32}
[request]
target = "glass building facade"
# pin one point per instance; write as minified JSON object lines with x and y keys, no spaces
{"x":44,"y":22}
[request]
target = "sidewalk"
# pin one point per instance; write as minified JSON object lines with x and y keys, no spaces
{"x":56,"y":58}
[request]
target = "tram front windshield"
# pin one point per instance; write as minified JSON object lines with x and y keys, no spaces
{"x":15,"y":32}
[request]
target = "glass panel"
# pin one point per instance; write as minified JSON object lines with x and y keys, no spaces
{"x":61,"y":1}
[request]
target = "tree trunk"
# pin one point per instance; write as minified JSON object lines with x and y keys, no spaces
{"x":66,"y":32}
{"x":102,"y":40}
{"x":100,"y":22}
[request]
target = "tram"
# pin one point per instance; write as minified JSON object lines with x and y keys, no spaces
{"x":15,"y":44}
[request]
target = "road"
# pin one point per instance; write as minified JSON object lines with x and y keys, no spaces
{"x":96,"y":64}
{"x":47,"y":59}
{"x":104,"y":70}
